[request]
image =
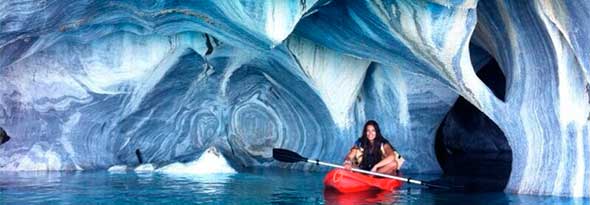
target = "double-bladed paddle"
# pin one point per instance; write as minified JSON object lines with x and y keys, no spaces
{"x":289,"y":156}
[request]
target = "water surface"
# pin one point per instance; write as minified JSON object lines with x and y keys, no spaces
{"x":255,"y":186}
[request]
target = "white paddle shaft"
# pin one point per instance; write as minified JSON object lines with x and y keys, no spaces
{"x":366,"y":172}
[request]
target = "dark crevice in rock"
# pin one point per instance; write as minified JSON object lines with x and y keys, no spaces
{"x":3,"y":136}
{"x":489,"y":73}
{"x":470,"y":148}
{"x":209,"y":45}
{"x":139,"y":156}
{"x":492,"y":76}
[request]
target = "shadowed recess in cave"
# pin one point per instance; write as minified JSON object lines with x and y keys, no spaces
{"x":488,"y":71}
{"x":470,"y":148}
{"x":3,"y":136}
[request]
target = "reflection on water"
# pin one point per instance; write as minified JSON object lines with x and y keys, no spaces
{"x":332,"y":196}
{"x":478,"y":172}
{"x":259,"y":186}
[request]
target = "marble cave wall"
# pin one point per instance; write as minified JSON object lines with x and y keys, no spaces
{"x":86,"y":83}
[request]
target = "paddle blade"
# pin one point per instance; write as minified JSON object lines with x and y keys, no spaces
{"x":288,"y":156}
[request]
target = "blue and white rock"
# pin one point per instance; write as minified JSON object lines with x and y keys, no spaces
{"x":86,"y":83}
{"x":338,"y":78}
{"x":117,"y":169}
{"x":145,"y":168}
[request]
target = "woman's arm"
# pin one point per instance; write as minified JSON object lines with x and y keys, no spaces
{"x":389,"y":158}
{"x":383,"y":162}
{"x":348,"y":159}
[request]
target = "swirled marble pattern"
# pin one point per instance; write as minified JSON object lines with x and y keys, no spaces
{"x":86,"y":83}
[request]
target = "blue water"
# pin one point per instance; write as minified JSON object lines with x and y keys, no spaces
{"x":268,"y":186}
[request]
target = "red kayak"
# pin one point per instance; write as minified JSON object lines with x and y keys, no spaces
{"x":373,"y":196}
{"x":346,"y":181}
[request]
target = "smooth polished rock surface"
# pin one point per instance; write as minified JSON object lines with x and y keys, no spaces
{"x":86,"y":83}
{"x":145,"y":168}
{"x":117,"y":169}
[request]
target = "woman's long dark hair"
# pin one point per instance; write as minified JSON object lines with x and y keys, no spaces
{"x":372,"y":151}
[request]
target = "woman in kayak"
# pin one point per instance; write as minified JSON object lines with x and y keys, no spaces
{"x":372,"y":152}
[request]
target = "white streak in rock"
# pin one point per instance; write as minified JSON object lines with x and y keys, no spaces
{"x":65,"y":137}
{"x":278,"y":20}
{"x":337,"y":77}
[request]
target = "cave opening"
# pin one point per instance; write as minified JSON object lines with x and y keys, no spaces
{"x":470,"y":148}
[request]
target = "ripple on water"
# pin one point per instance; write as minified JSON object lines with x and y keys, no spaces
{"x":247,"y":187}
